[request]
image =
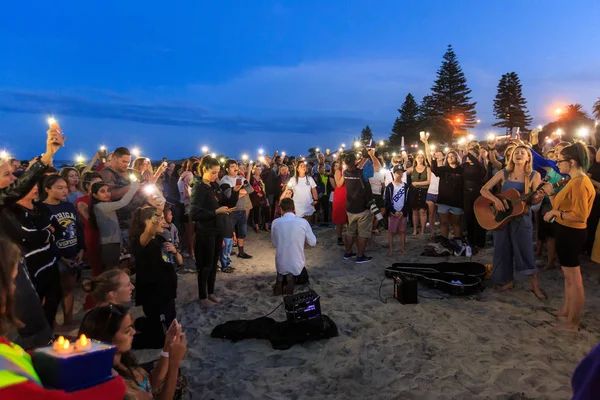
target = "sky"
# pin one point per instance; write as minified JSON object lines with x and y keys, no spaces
{"x":236,"y":76}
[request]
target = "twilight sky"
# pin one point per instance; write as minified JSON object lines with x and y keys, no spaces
{"x":169,"y":77}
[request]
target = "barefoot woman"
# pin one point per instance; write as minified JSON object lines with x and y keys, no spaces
{"x":571,"y":208}
{"x":512,"y":244}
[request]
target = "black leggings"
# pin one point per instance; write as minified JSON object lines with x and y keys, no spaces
{"x":475,"y":233}
{"x":261,"y":215}
{"x":48,"y":287}
{"x":153,"y":327}
{"x":208,"y":250}
{"x":324,"y":208}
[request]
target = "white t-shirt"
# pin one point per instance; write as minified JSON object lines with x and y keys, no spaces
{"x":398,"y":196}
{"x":434,"y":184}
{"x":303,"y":195}
{"x":377,"y":182}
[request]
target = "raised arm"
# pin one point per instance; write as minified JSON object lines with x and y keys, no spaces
{"x":125,"y":200}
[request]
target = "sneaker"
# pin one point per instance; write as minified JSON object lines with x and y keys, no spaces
{"x":341,"y":242}
{"x":244,"y":255}
{"x":228,"y":270}
{"x":348,"y":256}
{"x":363,"y":259}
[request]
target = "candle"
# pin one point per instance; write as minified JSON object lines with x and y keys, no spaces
{"x":83,"y":343}
{"x":62,"y":346}
{"x":58,"y":343}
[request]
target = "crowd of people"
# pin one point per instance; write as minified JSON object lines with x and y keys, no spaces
{"x":121,"y":216}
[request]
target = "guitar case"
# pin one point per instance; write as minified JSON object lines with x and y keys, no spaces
{"x":458,"y":279}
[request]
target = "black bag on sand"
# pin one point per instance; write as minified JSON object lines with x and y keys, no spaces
{"x":282,"y":335}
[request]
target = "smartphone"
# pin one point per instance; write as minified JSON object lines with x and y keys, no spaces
{"x":238,"y":182}
{"x":103,"y":155}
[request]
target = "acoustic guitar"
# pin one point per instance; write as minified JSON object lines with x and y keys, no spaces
{"x":491,"y":219}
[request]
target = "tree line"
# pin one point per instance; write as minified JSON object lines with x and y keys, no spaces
{"x":449,"y":109}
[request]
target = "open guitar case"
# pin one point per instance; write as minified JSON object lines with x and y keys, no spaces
{"x":458,"y":279}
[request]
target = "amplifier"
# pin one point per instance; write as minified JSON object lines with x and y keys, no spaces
{"x":406,"y":289}
{"x":303,"y":307}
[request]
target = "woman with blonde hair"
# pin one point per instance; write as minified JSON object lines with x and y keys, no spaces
{"x":143,"y":168}
{"x":73,"y":179}
{"x":110,"y":287}
{"x":512,"y":244}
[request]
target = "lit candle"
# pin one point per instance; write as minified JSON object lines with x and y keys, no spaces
{"x":102,"y":148}
{"x":204,"y":149}
{"x":58,"y":343}
{"x":136,"y":152}
{"x":471,"y":137}
{"x":261,"y":159}
{"x":261,"y":151}
{"x":83,"y":344}
{"x":317,"y":150}
{"x":245,"y":157}
{"x":213,"y":155}
{"x":283,"y":153}
{"x":133,"y":178}
{"x":446,"y":149}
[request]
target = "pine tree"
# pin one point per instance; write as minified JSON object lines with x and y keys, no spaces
{"x":366,"y":135}
{"x":407,"y":124}
{"x":450,"y":94}
{"x":510,"y":107}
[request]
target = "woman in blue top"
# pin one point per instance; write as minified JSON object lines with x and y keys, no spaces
{"x":512,"y":244}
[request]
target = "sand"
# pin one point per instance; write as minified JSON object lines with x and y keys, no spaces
{"x":489,"y":346}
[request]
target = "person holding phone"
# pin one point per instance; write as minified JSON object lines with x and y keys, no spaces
{"x":207,"y":201}
{"x":238,"y":217}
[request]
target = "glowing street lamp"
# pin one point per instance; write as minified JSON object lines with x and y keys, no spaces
{"x":136,"y":152}
{"x":478,"y":121}
{"x":558,"y":111}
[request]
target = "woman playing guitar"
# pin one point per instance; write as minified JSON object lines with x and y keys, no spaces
{"x":571,"y":208}
{"x":512,"y":244}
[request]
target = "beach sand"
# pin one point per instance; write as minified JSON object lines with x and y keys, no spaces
{"x":488,"y":346}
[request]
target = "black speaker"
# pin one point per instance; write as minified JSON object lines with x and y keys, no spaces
{"x":302,"y":307}
{"x":406,"y":289}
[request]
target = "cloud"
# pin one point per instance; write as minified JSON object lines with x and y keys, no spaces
{"x":169,"y":114}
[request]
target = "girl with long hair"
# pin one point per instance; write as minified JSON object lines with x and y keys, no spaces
{"x":69,"y":241}
{"x":339,"y":217}
{"x":571,"y":208}
{"x":113,"y":324}
{"x":260,"y":202}
{"x":420,"y":179}
{"x":142,"y":168}
{"x":450,"y":197}
{"x":103,"y":217}
{"x":433,"y":191}
{"x":73,"y":179}
{"x":207,"y":201}
{"x":92,"y":236}
{"x":156,"y":279}
{"x":512,"y":244}
{"x":303,"y":189}
{"x":185,"y":190}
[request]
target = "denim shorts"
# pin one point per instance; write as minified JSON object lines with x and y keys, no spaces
{"x":238,"y":220}
{"x":431,"y":197}
{"x":444,"y":209}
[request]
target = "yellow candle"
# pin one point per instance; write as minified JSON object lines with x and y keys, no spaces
{"x":83,"y":343}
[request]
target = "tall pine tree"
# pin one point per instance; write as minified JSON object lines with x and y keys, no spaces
{"x":510,"y":107}
{"x":407,"y":123}
{"x":450,"y":93}
{"x":366,"y":135}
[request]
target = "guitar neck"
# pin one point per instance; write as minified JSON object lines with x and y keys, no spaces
{"x":527,"y":196}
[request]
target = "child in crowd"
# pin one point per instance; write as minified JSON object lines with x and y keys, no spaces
{"x":225,"y":224}
{"x":396,"y":205}
{"x":171,"y":233}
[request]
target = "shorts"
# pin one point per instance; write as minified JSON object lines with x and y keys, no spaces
{"x":431,"y":197}
{"x":238,"y":220}
{"x":570,"y":242}
{"x":360,"y":224}
{"x":444,"y":209}
{"x":397,"y":224}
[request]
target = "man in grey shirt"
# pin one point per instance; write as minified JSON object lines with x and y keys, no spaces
{"x":238,"y":217}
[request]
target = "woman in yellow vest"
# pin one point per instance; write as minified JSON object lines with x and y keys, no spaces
{"x":18,"y":378}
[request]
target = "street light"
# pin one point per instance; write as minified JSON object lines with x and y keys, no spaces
{"x":558,"y":111}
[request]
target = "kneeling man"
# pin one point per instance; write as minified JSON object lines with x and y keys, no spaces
{"x":288,"y":235}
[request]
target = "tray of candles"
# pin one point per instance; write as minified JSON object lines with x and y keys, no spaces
{"x":69,"y":367}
